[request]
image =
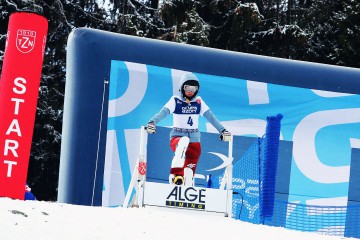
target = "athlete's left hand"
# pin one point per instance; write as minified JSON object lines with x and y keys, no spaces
{"x":225,"y":136}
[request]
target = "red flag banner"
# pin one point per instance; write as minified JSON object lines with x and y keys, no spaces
{"x":19,"y":87}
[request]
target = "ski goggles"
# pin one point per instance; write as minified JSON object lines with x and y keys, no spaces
{"x":189,"y":88}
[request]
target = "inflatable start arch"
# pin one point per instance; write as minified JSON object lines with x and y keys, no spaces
{"x":115,"y":83}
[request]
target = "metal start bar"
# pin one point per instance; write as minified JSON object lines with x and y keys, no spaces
{"x":174,"y":196}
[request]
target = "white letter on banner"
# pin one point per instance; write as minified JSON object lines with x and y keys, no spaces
{"x":355,"y":143}
{"x":258,"y":93}
{"x":11,"y":148}
{"x":304,"y":150}
{"x":138,"y":81}
{"x":14,"y":127}
{"x":10,"y":163}
{"x":251,"y":209}
{"x":17,"y":83}
{"x":327,"y":94}
{"x":17,"y":104}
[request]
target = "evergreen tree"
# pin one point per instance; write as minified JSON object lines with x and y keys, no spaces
{"x":184,"y":22}
{"x":333,"y":28}
{"x":63,"y":17}
{"x":234,"y":25}
{"x":136,"y":18}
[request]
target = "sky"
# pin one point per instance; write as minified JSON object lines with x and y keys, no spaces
{"x":42,"y":220}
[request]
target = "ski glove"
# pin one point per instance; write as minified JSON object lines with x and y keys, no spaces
{"x":225,"y":136}
{"x":151,"y":128}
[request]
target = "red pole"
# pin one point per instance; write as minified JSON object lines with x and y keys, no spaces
{"x":19,"y":87}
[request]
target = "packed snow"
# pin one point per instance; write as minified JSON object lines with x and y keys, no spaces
{"x":51,"y":221}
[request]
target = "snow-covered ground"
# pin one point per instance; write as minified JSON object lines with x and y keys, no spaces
{"x":51,"y":221}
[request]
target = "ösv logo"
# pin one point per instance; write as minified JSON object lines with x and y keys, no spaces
{"x":187,"y":197}
{"x":25,"y":40}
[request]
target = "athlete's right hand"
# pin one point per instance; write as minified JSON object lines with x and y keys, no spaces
{"x":151,"y":128}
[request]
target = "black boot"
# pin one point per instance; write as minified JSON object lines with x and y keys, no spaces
{"x":178,"y":180}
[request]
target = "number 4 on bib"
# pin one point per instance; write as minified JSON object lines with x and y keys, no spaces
{"x":190,"y":121}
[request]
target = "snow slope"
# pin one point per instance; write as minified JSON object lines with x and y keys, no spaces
{"x":51,"y":221}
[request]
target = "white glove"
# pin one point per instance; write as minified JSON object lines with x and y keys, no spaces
{"x":225,"y":136}
{"x":151,"y":128}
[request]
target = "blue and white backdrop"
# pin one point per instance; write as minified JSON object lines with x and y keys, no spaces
{"x":322,"y":126}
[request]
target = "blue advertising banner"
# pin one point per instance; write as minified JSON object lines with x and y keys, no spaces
{"x":322,"y":126}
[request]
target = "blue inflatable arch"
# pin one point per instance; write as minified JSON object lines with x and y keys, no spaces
{"x":89,"y":56}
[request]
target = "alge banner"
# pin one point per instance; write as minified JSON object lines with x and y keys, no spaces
{"x":19,"y":86}
{"x":323,"y":126}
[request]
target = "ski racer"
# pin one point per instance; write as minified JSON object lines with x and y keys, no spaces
{"x":185,"y":136}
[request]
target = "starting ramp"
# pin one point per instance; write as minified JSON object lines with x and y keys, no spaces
{"x":177,"y":196}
